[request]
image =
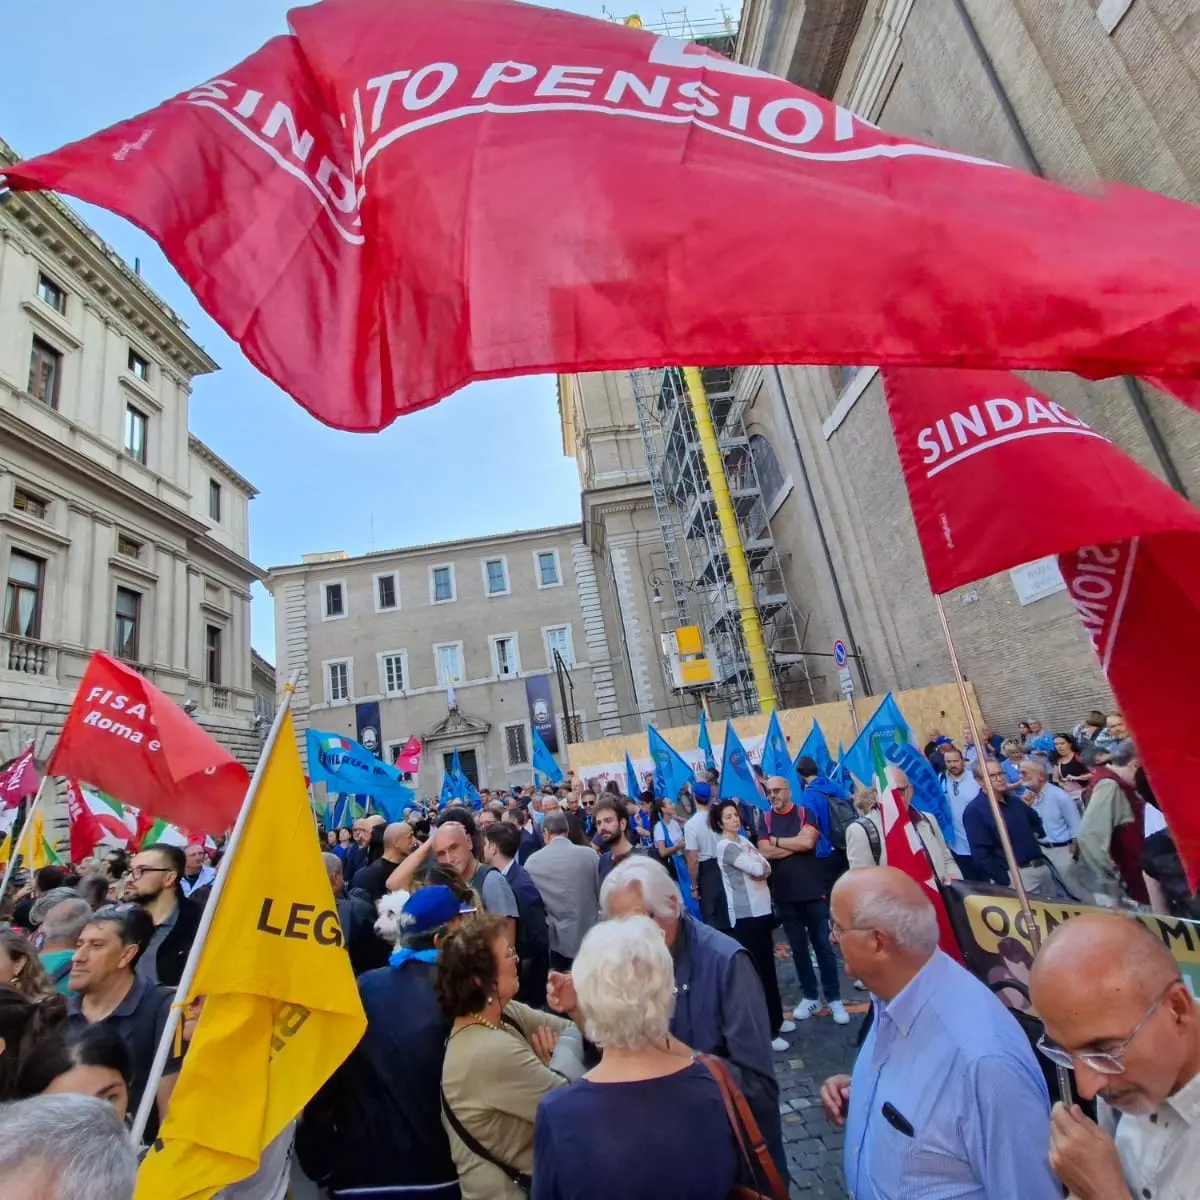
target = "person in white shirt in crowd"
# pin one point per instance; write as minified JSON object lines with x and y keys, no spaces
{"x":1118,"y":1013}
{"x":700,"y":850}
{"x":1060,"y":819}
{"x":197,"y":873}
{"x":866,"y":845}
{"x":960,"y":787}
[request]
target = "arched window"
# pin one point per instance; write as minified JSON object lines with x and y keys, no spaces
{"x":770,"y":475}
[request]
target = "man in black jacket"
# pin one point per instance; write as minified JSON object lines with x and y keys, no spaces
{"x":398,"y":844}
{"x":154,"y":876}
{"x":357,"y":917}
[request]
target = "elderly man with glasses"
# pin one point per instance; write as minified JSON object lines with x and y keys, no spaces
{"x":1118,"y":1013}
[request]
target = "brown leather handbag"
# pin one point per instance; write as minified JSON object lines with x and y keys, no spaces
{"x":755,"y":1156}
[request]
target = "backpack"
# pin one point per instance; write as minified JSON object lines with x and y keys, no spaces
{"x":868,"y":827}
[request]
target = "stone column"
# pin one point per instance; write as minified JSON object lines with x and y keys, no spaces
{"x":73,"y":625}
{"x":179,"y":613}
{"x":100,"y":614}
{"x":164,"y":606}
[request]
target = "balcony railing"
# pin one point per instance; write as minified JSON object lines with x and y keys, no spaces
{"x":27,"y":656}
{"x":218,"y":698}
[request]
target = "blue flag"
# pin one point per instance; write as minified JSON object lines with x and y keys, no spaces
{"x":841,"y":776}
{"x":449,"y":789}
{"x":346,"y":767}
{"x":864,"y":760}
{"x":460,"y":787}
{"x":543,"y":760}
{"x":927,"y":788}
{"x":705,"y":742}
{"x":337,"y":811}
{"x":816,"y":748}
{"x":631,"y":779}
{"x":777,"y":760}
{"x":738,"y":781}
{"x":671,"y":771}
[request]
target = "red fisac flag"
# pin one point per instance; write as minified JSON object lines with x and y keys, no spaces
{"x":18,"y":780}
{"x":124,"y":737}
{"x":398,"y":198}
{"x":1128,"y":546}
{"x":409,"y":758}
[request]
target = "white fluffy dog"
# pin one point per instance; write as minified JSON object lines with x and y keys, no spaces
{"x":387,"y":924}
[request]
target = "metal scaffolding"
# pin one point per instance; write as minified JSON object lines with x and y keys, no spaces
{"x":697,"y":562}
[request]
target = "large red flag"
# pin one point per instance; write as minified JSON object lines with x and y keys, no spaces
{"x":978,"y":445}
{"x":400,"y":197}
{"x":124,"y":737}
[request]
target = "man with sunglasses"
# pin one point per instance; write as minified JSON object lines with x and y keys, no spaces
{"x":1120,"y":1016}
{"x":154,"y":883}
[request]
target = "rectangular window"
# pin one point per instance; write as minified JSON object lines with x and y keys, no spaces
{"x":29,"y":504}
{"x":386,"y":593}
{"x":128,"y":547}
{"x":214,"y":499}
{"x":516,"y":745}
{"x":497,"y":576}
{"x":441,"y":584}
{"x":547,"y":568}
{"x":558,"y":639}
{"x":139,"y":366}
{"x":335,"y":600}
{"x":48,"y":292}
{"x":125,"y":641}
{"x":338,"y":681}
{"x":393,"y":673}
{"x":23,"y":595}
{"x":505,"y":659}
{"x":136,"y":424}
{"x":45,"y":373}
{"x":448,"y":659}
{"x":212,"y":654}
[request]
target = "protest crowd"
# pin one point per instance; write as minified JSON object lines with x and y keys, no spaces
{"x":554,"y":978}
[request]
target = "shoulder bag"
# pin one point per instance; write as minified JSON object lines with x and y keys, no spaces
{"x":519,"y":1178}
{"x":753,"y":1149}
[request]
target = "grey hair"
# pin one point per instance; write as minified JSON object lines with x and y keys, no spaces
{"x":912,"y":925}
{"x":1123,"y":753}
{"x":75,"y":1144}
{"x":659,"y":891}
{"x":865,"y":799}
{"x":556,"y":822}
{"x":44,"y":903}
{"x":64,"y":921}
{"x":625,"y":981}
{"x":1038,"y":765}
{"x":333,"y":864}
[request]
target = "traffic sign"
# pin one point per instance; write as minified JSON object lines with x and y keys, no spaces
{"x":839,"y":653}
{"x":846,"y":680}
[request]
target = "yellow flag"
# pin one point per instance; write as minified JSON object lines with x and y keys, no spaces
{"x":38,"y":846}
{"x":281,"y":1009}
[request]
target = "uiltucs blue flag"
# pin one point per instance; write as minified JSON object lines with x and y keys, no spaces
{"x":841,"y":776}
{"x":816,"y":748}
{"x":705,"y":742}
{"x":671,"y":771}
{"x":864,"y":760}
{"x":344,"y":766}
{"x":543,"y":760}
{"x":927,"y":789}
{"x":632,"y":787}
{"x":777,"y":760}
{"x":738,"y":781}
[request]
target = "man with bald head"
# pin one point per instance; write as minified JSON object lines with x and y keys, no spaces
{"x":452,"y":847}
{"x":398,"y":844}
{"x":946,"y":1098}
{"x":1117,"y":1011}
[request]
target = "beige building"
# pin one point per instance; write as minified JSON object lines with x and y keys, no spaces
{"x":119,"y":531}
{"x":1072,"y":89}
{"x":448,"y":640}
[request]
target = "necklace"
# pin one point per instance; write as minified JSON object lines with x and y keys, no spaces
{"x":479,"y":1020}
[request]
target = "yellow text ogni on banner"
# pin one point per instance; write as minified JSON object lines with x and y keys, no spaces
{"x":281,"y":1008}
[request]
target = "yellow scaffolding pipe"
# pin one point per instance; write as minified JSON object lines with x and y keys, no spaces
{"x":756,"y":648}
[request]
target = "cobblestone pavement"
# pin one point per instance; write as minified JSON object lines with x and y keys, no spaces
{"x":818,"y":1049}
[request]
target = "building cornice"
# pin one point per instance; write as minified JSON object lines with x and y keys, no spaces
{"x":210,"y":456}
{"x":230,"y":557}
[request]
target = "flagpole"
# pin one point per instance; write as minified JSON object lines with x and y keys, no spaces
{"x":1035,"y":934}
{"x":175,"y":1013}
{"x":16,"y":847}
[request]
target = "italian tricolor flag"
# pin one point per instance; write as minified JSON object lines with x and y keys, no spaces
{"x":163,"y":831}
{"x":98,"y":820}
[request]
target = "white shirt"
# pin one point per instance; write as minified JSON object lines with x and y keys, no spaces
{"x":1160,"y":1152}
{"x":698,"y":836}
{"x":959,"y":793}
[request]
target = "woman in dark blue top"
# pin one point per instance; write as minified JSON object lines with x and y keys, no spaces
{"x":601,"y":1137}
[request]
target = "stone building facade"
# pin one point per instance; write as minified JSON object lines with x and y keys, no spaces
{"x":447,"y":640}
{"x":1076,"y":90}
{"x":119,"y":530}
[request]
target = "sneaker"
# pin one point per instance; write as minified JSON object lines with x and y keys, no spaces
{"x":805,"y":1009}
{"x":838,"y":1010}
{"x":788,"y":1027}
{"x":779,"y":1045}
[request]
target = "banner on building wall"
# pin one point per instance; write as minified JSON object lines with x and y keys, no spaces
{"x":541,"y":710}
{"x":994,"y":937}
{"x":370,"y":729}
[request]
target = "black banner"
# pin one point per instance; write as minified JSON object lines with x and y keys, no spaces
{"x":541,"y":710}
{"x":370,"y":730}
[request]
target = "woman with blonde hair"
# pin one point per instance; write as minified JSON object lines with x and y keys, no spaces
{"x":21,"y":968}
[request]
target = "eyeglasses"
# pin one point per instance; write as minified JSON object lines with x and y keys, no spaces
{"x":136,"y":873}
{"x":836,"y":932}
{"x":589,"y":804}
{"x":1103,"y":1062}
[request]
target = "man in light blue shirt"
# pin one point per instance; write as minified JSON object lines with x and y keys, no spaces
{"x":1061,"y":820}
{"x":946,"y":1099}
{"x":960,"y":787}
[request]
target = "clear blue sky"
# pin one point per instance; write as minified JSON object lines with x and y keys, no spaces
{"x":487,"y":460}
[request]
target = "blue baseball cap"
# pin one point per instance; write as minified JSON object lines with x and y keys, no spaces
{"x":702,"y":791}
{"x":429,"y":909}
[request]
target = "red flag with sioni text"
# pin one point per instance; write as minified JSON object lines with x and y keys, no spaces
{"x":397,"y":198}
{"x":126,"y":738}
{"x":981,"y":448}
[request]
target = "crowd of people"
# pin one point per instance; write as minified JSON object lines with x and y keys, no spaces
{"x":556,"y":980}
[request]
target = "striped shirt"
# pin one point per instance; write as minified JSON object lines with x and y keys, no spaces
{"x":969,"y":1107}
{"x":744,"y":874}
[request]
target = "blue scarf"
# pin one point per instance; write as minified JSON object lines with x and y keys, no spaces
{"x":404,"y":954}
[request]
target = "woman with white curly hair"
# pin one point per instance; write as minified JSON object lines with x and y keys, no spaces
{"x":602,"y":1136}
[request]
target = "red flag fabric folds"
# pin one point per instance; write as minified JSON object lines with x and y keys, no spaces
{"x":1128,"y":546}
{"x":18,"y":780}
{"x":398,"y":198}
{"x":126,"y":738}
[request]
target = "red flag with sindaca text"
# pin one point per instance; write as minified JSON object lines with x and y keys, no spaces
{"x":1127,"y":545}
{"x":398,"y":198}
{"x":126,"y":738}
